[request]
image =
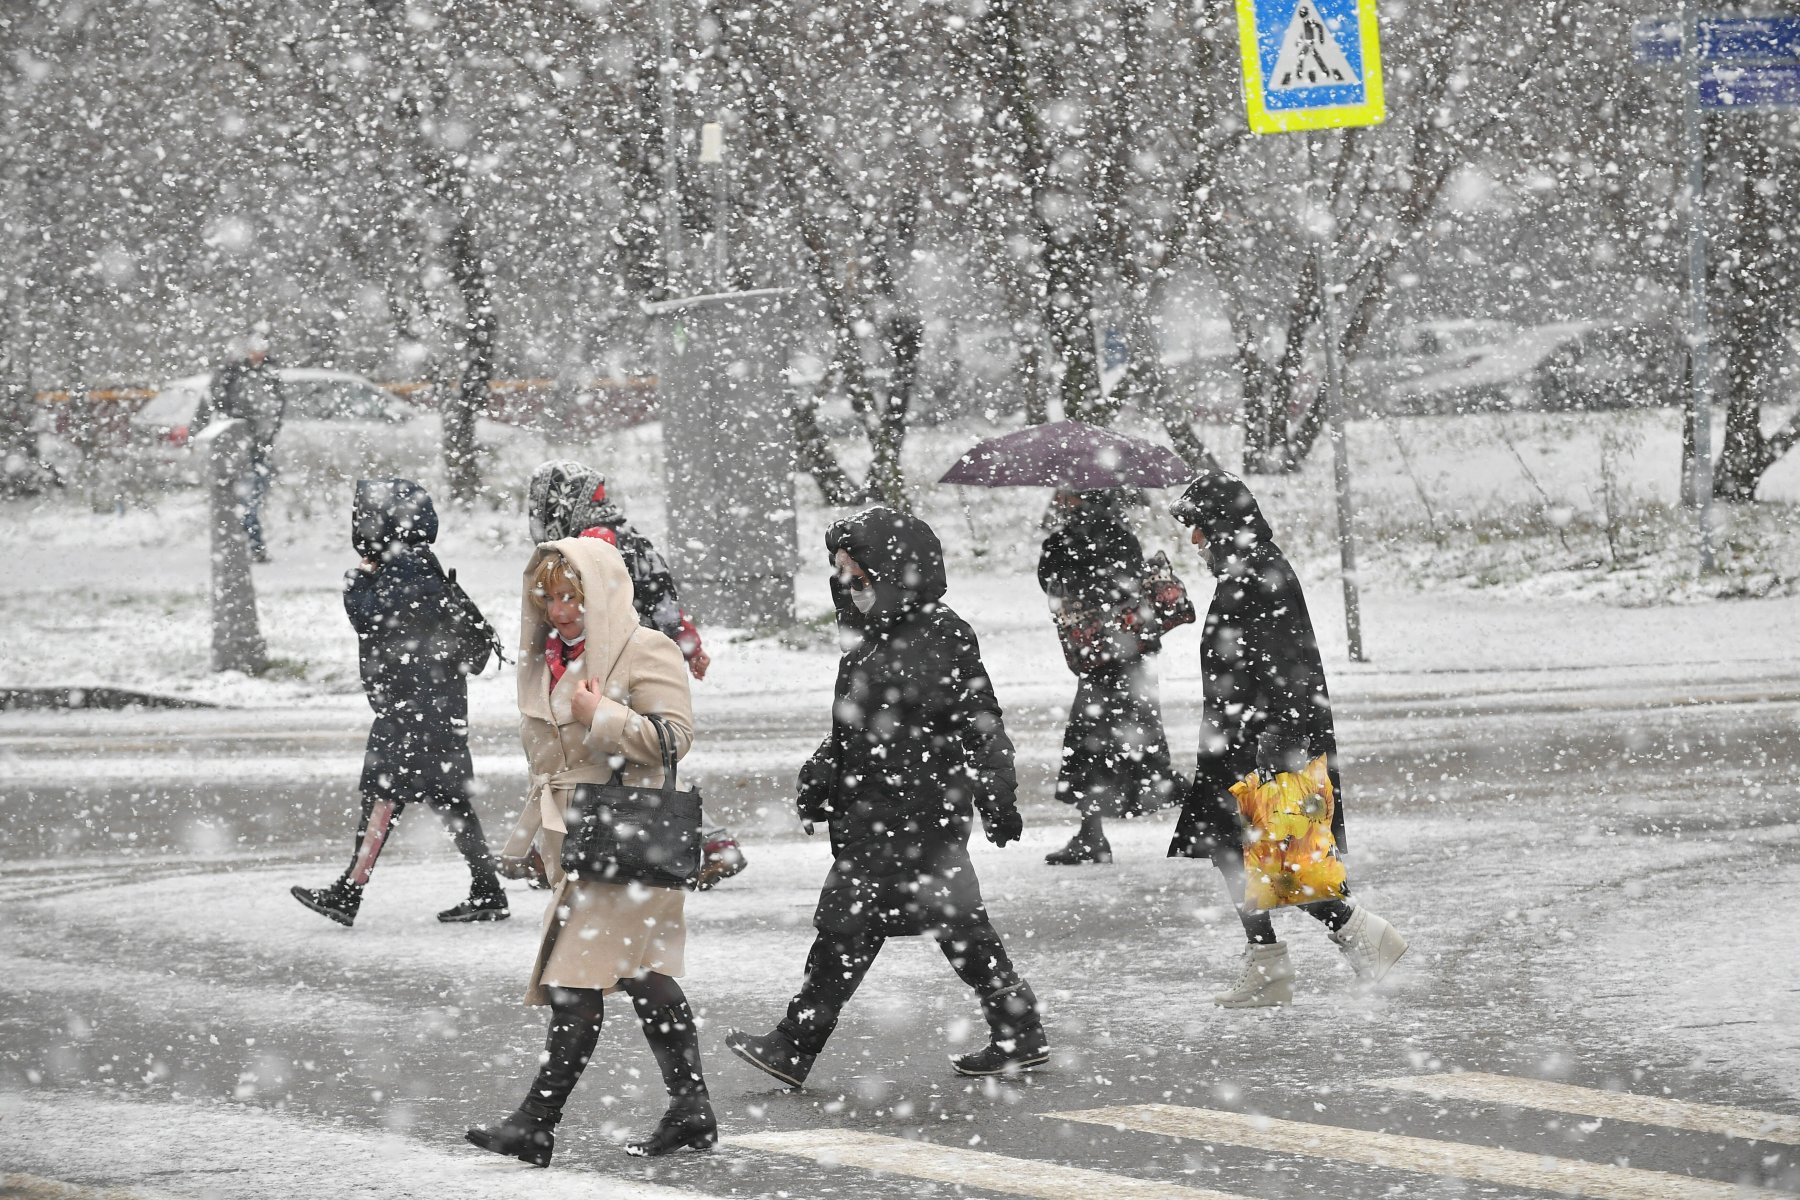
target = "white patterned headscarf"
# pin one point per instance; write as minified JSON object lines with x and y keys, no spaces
{"x":566,"y":497}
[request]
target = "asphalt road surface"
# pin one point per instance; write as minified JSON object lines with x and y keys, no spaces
{"x":1600,"y":1000}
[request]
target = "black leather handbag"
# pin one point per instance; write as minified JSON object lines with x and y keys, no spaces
{"x":621,"y":834}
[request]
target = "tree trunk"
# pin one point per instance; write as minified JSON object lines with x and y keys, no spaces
{"x":473,"y":386}
{"x":815,"y":454}
{"x":1752,"y":327}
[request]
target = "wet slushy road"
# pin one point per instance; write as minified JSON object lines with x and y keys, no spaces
{"x":1593,"y":890}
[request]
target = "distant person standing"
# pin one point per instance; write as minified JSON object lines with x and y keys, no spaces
{"x":1115,"y":758}
{"x":247,"y":388}
{"x":569,"y":499}
{"x":419,"y":638}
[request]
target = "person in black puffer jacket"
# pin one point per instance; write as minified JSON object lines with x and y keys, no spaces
{"x":917,"y":747}
{"x":414,"y":672}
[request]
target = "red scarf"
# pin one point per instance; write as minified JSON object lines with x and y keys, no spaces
{"x":558,"y":656}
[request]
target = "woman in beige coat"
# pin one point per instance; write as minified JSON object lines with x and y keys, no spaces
{"x":587,"y":674}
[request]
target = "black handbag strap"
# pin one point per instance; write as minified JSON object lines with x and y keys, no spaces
{"x":666,"y":741}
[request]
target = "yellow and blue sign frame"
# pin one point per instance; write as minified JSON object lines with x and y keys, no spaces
{"x":1262,"y":26}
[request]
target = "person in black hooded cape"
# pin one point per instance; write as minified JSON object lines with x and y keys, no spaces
{"x":917,"y":747}
{"x":414,"y":674}
{"x":1266,"y":710}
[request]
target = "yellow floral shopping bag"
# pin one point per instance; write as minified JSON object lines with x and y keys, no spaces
{"x":1289,"y":854}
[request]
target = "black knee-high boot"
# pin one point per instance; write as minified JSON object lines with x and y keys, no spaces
{"x":528,"y":1134}
{"x":674,"y":1039}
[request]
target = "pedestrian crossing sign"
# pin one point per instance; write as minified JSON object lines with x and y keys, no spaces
{"x":1310,"y":64}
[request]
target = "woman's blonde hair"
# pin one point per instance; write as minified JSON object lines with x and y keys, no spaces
{"x":556,"y":575}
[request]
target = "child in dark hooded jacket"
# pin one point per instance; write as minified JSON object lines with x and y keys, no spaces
{"x":414,"y":671}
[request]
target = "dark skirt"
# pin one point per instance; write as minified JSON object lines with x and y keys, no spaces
{"x":407,"y":762}
{"x":1115,"y":757}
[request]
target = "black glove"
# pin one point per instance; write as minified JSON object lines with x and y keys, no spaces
{"x":1006,"y":824}
{"x":817,"y":779}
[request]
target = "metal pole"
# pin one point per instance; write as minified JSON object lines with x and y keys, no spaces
{"x":712,"y":156}
{"x":1700,"y":327}
{"x":1334,"y":411}
{"x":665,"y":107}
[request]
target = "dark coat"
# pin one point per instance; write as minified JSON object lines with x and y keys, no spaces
{"x":1115,"y":757}
{"x":917,"y":744}
{"x":565,"y":499}
{"x":252,"y":393}
{"x":410,"y":656}
{"x":1092,"y":557}
{"x":1266,"y":707}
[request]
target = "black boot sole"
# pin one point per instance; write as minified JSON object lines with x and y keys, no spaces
{"x":1065,"y":858}
{"x":1011,"y":1067}
{"x":654,"y":1149}
{"x":764,"y":1067}
{"x":305,"y":897}
{"x":534,"y":1158}
{"x":452,"y":917}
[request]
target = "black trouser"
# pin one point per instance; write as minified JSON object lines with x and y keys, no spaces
{"x":1257,"y":925}
{"x":837,"y":962}
{"x":381,"y":811}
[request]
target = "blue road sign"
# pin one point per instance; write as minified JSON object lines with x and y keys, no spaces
{"x":1751,"y":87}
{"x":1722,"y":39}
{"x":1310,"y":64}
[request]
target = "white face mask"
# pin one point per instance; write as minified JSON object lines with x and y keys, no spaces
{"x":864,"y":599}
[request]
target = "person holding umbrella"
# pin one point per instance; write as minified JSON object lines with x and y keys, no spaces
{"x":1115,"y":758}
{"x":1266,"y":711}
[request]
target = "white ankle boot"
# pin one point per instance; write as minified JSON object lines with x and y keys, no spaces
{"x":1265,"y":979}
{"x":1371,"y":944}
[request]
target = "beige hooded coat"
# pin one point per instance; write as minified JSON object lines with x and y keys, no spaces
{"x":597,"y":933}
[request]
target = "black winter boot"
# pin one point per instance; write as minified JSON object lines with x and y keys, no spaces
{"x":1017,"y":1039}
{"x":675,"y":1041}
{"x":528,"y":1135}
{"x":774,"y":1053}
{"x":482,"y":905}
{"x":1089,"y":845}
{"x":340,"y":901}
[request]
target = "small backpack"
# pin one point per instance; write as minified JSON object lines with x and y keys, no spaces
{"x":476,"y":642}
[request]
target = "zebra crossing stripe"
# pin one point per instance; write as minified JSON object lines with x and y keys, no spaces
{"x":1746,"y":1123}
{"x":1507,"y":1168}
{"x":967,"y":1168}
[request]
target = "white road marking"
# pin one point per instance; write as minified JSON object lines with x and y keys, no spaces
{"x":968,"y":1168}
{"x":1746,"y":1123}
{"x":1508,"y":1168}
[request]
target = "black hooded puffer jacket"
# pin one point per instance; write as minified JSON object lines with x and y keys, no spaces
{"x":1266,"y":707}
{"x":411,"y":660}
{"x":917,"y":742}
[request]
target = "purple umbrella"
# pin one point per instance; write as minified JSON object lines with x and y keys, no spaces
{"x":1068,"y":454}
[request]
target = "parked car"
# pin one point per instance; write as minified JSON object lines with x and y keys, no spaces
{"x":1614,"y":365}
{"x":1564,"y":365}
{"x":312,"y":396}
{"x":1386,"y":382}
